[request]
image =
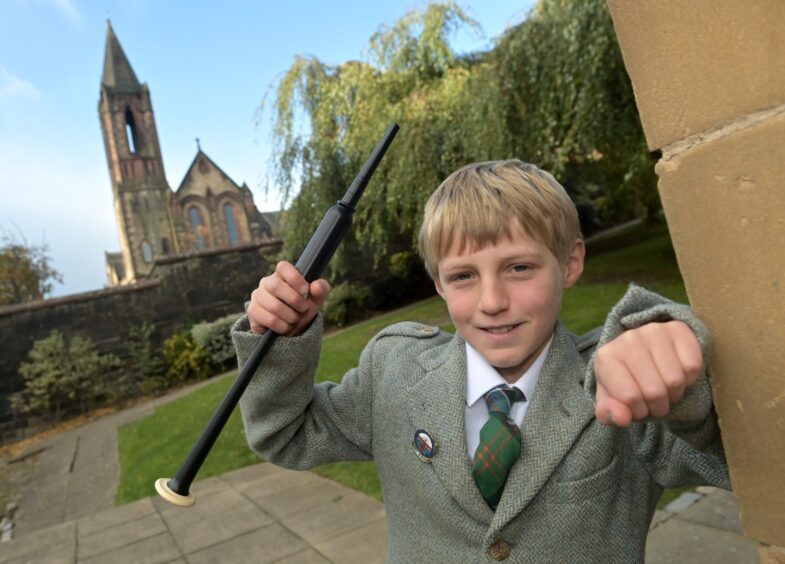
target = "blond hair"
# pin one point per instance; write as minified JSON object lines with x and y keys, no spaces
{"x":475,"y":205}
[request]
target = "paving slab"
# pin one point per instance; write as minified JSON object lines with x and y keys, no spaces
{"x":691,"y":543}
{"x":196,"y":535}
{"x":303,"y":498}
{"x":42,"y":503}
{"x":329,"y":521}
{"x":268,"y":544}
{"x":95,"y":471}
{"x":115,"y":516}
{"x":258,"y":490}
{"x":241,"y":477}
{"x":309,"y":556}
{"x":717,"y":509}
{"x":153,"y":550}
{"x":364,"y":544}
{"x":52,"y":546}
{"x":127,"y":533}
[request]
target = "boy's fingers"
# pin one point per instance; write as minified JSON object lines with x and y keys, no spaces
{"x":319,"y":291}
{"x":670,"y":369}
{"x":280,"y":289}
{"x":688,"y":351}
{"x":646,"y":374}
{"x":609,"y":411}
{"x":273,"y":306}
{"x":619,"y":384}
{"x":292,"y":276}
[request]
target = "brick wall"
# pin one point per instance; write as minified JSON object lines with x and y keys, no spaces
{"x":710,"y":89}
{"x":182,"y":291}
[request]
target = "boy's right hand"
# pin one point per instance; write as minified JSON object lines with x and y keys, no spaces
{"x":285,"y":302}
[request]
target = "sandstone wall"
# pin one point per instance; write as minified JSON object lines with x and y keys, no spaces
{"x":710,"y":88}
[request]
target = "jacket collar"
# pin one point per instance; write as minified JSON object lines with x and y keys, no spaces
{"x":557,"y":415}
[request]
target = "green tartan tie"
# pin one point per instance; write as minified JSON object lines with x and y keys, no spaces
{"x":500,"y":444}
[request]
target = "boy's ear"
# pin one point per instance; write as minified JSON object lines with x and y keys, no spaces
{"x":574,"y":266}
{"x":439,"y":289}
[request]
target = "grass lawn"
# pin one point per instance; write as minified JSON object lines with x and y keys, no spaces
{"x":156,"y":446}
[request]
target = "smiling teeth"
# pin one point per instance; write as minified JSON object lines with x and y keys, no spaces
{"x":505,"y":329}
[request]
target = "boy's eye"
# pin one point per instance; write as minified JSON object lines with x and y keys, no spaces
{"x":461,"y":276}
{"x":521,"y":267}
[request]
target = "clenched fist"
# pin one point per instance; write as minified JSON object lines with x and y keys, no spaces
{"x":285,"y":302}
{"x":644,"y":371}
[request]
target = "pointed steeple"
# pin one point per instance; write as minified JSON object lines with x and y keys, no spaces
{"x":118,"y":74}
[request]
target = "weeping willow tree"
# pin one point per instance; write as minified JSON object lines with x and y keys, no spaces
{"x":553,"y":91}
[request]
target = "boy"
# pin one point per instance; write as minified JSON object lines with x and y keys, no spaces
{"x":567,"y":455}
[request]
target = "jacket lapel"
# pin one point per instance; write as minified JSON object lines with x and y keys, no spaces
{"x":437,"y":405}
{"x":558,"y":413}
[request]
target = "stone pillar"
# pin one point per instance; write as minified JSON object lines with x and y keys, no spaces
{"x":710,"y":87}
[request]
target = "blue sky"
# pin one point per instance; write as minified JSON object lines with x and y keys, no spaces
{"x":208,"y":65}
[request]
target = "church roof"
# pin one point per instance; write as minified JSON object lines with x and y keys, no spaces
{"x":118,"y":74}
{"x":203,"y":165}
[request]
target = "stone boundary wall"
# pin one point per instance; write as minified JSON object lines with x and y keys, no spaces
{"x":710,"y":90}
{"x":183,"y":290}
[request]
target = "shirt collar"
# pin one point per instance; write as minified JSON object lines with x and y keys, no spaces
{"x":481,"y":376}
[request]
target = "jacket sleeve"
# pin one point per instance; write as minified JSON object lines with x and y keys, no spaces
{"x":684,"y":447}
{"x":292,"y":422}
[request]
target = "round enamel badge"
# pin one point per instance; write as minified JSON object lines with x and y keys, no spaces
{"x":424,"y":445}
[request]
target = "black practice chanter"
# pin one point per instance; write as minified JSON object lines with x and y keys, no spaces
{"x":314,"y":258}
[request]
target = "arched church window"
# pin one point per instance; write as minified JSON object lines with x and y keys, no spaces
{"x":197,"y":226}
{"x":147,"y":252}
{"x":231,"y":226}
{"x":165,"y":249}
{"x":130,"y":131}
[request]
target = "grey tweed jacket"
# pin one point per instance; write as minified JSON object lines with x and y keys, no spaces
{"x":581,"y":492}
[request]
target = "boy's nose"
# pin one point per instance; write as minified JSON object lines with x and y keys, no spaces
{"x":493,"y":298}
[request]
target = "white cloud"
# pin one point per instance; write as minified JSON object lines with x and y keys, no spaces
{"x":68,"y":9}
{"x":14,"y":87}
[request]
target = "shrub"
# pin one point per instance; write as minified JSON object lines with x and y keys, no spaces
{"x":215,"y":338}
{"x":62,"y":378}
{"x":185,"y":359}
{"x":146,"y":367}
{"x":345,"y":303}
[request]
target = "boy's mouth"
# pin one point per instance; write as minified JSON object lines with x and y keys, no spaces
{"x":501,"y":329}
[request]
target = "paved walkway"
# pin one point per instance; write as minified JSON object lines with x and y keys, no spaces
{"x":262,"y":513}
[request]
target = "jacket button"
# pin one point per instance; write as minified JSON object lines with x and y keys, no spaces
{"x":500,"y":549}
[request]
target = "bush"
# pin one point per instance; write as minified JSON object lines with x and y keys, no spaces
{"x":345,"y":303}
{"x":185,"y":359}
{"x":63,"y":378}
{"x":146,"y":367}
{"x":215,"y":338}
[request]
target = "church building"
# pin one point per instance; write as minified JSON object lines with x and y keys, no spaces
{"x":208,"y":211}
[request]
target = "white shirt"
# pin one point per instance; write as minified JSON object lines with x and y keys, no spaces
{"x":480,"y":378}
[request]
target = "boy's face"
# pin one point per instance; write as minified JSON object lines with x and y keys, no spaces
{"x":505,"y":299}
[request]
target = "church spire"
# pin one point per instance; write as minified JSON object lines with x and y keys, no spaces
{"x":118,"y":74}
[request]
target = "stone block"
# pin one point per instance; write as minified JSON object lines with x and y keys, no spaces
{"x":685,"y":542}
{"x":250,"y":473}
{"x":718,"y":510}
{"x":771,"y":554}
{"x":192,"y":536}
{"x":682,"y":502}
{"x":725,"y":204}
{"x":120,"y":535}
{"x":268,"y":544}
{"x":294,"y":501}
{"x":54,"y":544}
{"x":338,"y":518}
{"x":365,"y":544}
{"x":698,"y":64}
{"x":153,"y":550}
{"x":309,"y":556}
{"x":275,"y":483}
